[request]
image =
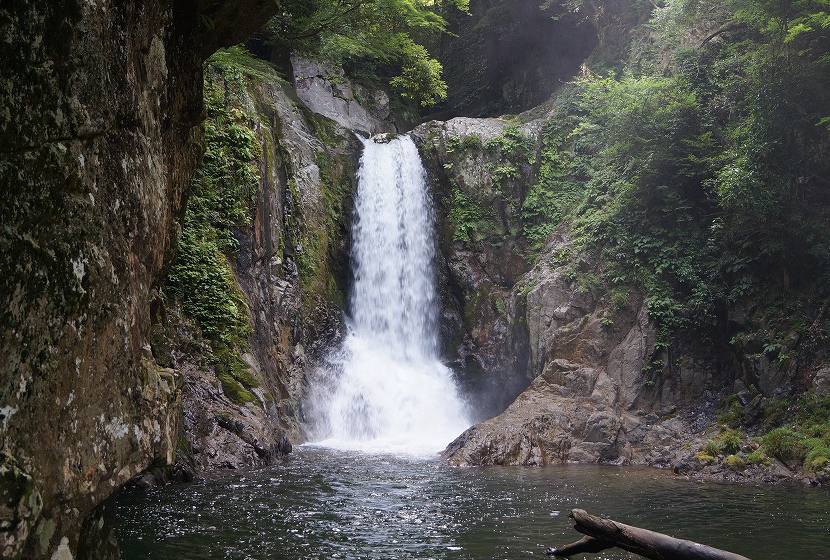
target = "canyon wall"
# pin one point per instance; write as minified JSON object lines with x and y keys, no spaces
{"x":98,"y":141}
{"x":528,"y":315}
{"x":285,"y":268}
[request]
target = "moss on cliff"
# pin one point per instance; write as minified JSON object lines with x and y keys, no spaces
{"x":257,"y":268}
{"x":560,"y":175}
{"x":220,"y":203}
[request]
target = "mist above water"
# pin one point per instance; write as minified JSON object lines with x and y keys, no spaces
{"x":386,"y":389}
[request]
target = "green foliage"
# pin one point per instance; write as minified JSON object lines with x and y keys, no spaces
{"x":784,"y":443}
{"x":644,"y":196}
{"x":466,"y":217}
{"x":696,"y":176}
{"x":514,"y":145}
{"x":203,"y":281}
{"x":797,"y":432}
{"x":512,"y":155}
{"x":731,"y":441}
{"x":471,"y":142}
{"x":775,"y":413}
{"x":560,"y":180}
{"x":712,"y":447}
{"x":220,"y":203}
{"x":234,"y":375}
{"x":420,"y":78}
{"x":380,"y":39}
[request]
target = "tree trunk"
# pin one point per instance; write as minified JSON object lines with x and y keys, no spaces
{"x":605,"y":533}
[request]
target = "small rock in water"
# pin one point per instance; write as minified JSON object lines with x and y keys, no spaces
{"x":384,"y":138}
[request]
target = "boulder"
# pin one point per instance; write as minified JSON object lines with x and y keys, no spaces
{"x":327,"y":91}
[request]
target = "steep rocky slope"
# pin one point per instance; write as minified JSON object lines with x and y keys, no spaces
{"x":601,"y":386}
{"x":287,"y":263}
{"x":484,"y":256}
{"x":98,"y":143}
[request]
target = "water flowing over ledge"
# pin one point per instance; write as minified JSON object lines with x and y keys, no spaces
{"x":385,"y":389}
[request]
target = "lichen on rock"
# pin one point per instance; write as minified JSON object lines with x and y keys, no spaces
{"x":98,"y":142}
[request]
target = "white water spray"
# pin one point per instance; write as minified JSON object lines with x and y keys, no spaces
{"x":385,"y":389}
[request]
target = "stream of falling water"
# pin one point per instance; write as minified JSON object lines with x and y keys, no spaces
{"x":385,"y":389}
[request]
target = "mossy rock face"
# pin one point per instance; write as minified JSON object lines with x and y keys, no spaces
{"x":234,"y":390}
{"x":262,"y":266}
{"x":98,"y":143}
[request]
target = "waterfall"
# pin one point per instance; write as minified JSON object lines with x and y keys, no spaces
{"x":385,"y":388}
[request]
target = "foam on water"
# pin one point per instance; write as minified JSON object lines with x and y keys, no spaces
{"x":385,"y":389}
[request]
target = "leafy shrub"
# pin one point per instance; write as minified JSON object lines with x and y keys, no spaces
{"x":420,"y":78}
{"x":712,"y":447}
{"x":731,"y":441}
{"x":783,"y":443}
{"x":471,"y":142}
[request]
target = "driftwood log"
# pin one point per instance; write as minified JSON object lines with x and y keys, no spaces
{"x":601,"y":534}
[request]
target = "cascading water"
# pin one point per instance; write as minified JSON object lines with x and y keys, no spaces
{"x":385,"y":389}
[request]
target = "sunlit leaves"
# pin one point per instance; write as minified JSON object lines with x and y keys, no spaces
{"x":379,"y":37}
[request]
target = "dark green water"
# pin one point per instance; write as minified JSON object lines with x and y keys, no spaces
{"x":336,"y":504}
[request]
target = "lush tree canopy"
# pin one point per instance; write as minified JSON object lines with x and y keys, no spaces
{"x":382,"y":38}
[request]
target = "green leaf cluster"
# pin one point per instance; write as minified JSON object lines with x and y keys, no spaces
{"x":377,"y":39}
{"x":221,"y":198}
{"x":700,"y":182}
{"x":559,"y":183}
{"x":471,"y":221}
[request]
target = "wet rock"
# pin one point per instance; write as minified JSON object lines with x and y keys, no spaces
{"x":593,"y":399}
{"x":766,"y":375}
{"x":98,"y":142}
{"x":326,"y":90}
{"x":20,"y":507}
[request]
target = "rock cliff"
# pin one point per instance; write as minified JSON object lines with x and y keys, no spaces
{"x":288,"y":262}
{"x":602,"y":387}
{"x":98,"y":142}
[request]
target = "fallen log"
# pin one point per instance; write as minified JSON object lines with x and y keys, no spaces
{"x":602,"y":534}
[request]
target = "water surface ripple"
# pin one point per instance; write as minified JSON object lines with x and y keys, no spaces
{"x":339,"y":504}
